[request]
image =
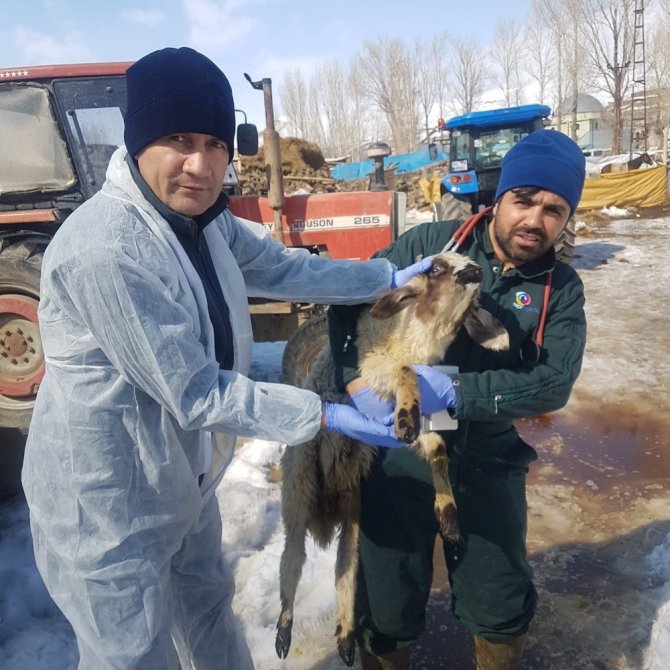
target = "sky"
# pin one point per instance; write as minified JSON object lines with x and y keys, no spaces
{"x":265,"y":38}
{"x":587,"y":508}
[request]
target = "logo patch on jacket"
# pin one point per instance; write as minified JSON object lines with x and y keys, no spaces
{"x":522,"y":301}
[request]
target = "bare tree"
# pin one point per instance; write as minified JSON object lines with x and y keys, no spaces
{"x":343,"y":109}
{"x":567,"y":42}
{"x":607,"y":31}
{"x":314,"y":129}
{"x":335,"y":110}
{"x":563,"y":20}
{"x":440,"y":54}
{"x":575,"y":58}
{"x":388,"y":74}
{"x":330,"y":109}
{"x":551,"y":13}
{"x":367,"y":125}
{"x":541,"y":53}
{"x":658,"y":77}
{"x":294,"y":102}
{"x":505,"y":53}
{"x":467,"y":65}
{"x":431,"y":65}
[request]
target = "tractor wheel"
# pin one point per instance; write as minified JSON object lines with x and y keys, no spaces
{"x":565,"y":244}
{"x":21,"y":355}
{"x":302,"y":348}
{"x":451,"y":208}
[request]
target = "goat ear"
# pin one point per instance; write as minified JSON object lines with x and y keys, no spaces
{"x":486,"y":330}
{"x":393,"y":302}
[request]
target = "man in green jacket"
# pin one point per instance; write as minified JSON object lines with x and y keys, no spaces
{"x":523,"y":285}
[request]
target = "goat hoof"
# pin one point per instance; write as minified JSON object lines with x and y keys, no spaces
{"x":406,"y":432}
{"x":407,"y":424}
{"x":283,"y":641}
{"x":411,"y":435}
{"x":347,"y":649}
{"x":449,"y":530}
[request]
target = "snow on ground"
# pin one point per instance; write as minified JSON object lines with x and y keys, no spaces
{"x":599,"y":496}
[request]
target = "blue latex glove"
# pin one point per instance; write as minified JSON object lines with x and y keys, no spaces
{"x":368,"y":402}
{"x":401,"y":277}
{"x":349,"y":421}
{"x":436,"y":389}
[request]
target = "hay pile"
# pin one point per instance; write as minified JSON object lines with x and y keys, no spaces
{"x":299,"y":159}
{"x":305,"y":169}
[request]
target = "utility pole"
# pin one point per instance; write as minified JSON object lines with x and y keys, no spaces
{"x":638,"y":99}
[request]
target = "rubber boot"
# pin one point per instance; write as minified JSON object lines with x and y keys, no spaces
{"x":394,"y":660}
{"x":499,"y":654}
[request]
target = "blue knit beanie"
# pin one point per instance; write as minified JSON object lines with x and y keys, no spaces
{"x":545,"y":159}
{"x":177,"y":91}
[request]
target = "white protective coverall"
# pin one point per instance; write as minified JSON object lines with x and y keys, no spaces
{"x":127,"y":542}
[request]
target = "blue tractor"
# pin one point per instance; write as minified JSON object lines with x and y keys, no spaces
{"x":477,"y":143}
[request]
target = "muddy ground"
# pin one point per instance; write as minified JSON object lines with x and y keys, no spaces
{"x":599,"y":495}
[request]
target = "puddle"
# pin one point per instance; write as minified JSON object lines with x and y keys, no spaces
{"x":599,"y":503}
{"x":601,"y":444}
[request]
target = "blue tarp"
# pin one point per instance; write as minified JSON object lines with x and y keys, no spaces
{"x":404,"y":162}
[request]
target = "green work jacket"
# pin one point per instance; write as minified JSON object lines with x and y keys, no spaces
{"x":493,"y":388}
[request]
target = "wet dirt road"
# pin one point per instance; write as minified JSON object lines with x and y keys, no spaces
{"x":599,"y":494}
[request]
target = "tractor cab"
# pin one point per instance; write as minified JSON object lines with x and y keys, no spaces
{"x":478,"y":141}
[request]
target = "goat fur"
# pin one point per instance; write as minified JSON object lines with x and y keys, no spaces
{"x":322,"y":478}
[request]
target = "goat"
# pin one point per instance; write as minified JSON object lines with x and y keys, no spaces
{"x":322,"y":477}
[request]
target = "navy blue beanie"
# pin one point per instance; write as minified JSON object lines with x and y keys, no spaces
{"x":177,"y":91}
{"x":545,"y":159}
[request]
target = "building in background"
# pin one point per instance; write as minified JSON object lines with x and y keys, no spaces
{"x":592,"y":124}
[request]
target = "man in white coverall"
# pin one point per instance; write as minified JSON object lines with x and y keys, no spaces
{"x":147,"y":339}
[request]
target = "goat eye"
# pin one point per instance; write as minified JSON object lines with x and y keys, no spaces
{"x":435,"y":270}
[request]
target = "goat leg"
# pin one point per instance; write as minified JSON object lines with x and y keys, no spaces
{"x":432,"y":449}
{"x":407,"y":405}
{"x":346,"y":568}
{"x":290,"y":570}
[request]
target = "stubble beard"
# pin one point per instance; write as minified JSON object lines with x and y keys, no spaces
{"x":516,"y":254}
